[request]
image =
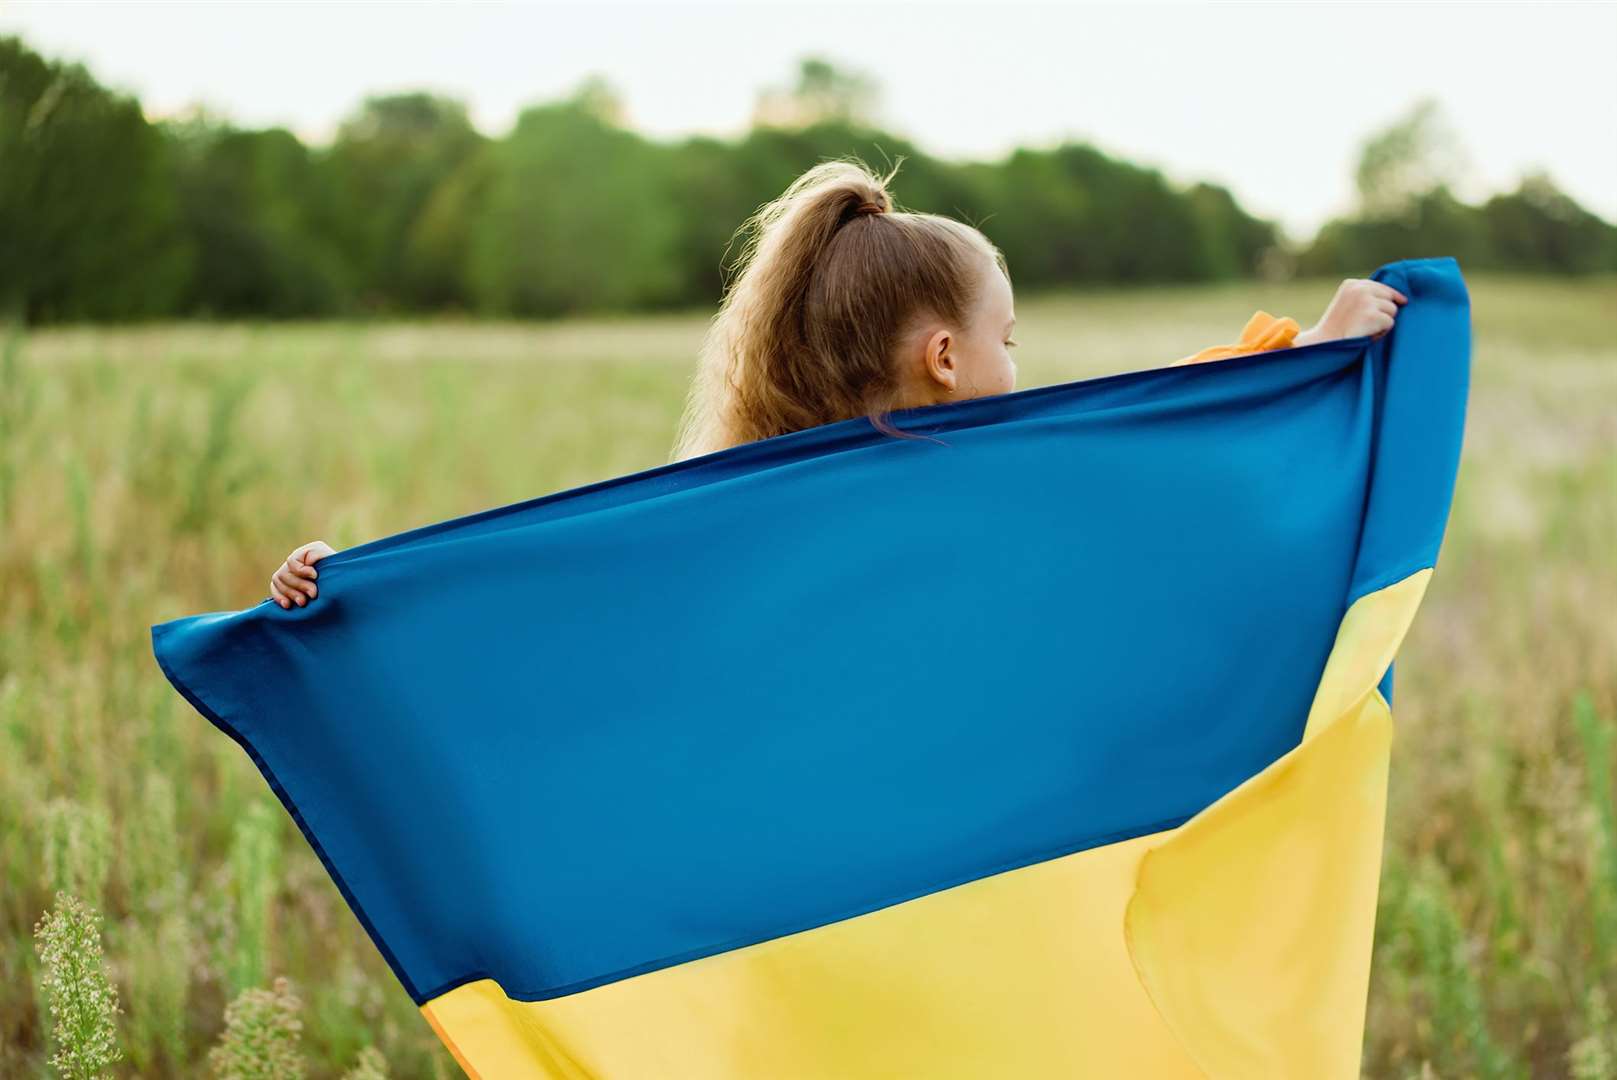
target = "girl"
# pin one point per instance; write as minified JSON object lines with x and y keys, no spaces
{"x":845,"y":307}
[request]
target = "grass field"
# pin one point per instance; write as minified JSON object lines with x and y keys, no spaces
{"x":147,"y":473}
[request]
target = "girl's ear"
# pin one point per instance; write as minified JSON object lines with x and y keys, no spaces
{"x":939,"y":359}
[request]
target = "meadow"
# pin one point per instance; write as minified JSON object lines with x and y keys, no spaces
{"x":149,"y":472}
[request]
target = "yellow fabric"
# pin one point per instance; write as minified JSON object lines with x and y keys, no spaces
{"x":1022,"y":974}
{"x":1262,"y":332}
{"x":1252,"y":924}
{"x":1237,"y":945}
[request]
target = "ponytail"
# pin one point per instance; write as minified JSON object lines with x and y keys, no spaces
{"x":828,"y":279}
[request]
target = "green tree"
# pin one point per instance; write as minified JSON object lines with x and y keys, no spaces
{"x":257,"y":209}
{"x":578,"y":216}
{"x":439,"y":244}
{"x":87,"y":208}
{"x":390,"y":158}
{"x":1073,"y":214}
{"x":1233,"y":242}
{"x":1539,"y":227}
{"x":1410,"y":158}
{"x":822,"y":93}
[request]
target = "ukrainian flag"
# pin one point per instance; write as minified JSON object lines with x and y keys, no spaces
{"x":1051,"y":744}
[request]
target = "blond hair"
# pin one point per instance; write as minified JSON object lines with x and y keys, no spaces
{"x":830,"y":276}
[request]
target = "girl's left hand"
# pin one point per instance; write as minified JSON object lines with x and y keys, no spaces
{"x":293,"y":581}
{"x":1360,"y":307}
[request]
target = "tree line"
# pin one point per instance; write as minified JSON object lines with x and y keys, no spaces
{"x":105,"y":215}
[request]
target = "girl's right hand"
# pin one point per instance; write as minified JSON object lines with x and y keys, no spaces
{"x":1361,"y":307}
{"x":293,"y":583}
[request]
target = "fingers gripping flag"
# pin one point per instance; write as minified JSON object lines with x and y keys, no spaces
{"x":1051,"y":744}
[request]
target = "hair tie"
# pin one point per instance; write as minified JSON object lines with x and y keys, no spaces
{"x":868,"y":208}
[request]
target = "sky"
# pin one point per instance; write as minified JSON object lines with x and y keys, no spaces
{"x":1271,"y":100}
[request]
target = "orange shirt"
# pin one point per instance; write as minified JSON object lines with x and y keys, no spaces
{"x":1262,"y":332}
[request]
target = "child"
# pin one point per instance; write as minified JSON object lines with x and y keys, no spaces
{"x":845,"y":307}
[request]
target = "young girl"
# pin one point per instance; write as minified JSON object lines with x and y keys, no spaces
{"x":845,"y":307}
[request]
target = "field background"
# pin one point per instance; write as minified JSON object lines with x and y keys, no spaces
{"x":152,"y":472}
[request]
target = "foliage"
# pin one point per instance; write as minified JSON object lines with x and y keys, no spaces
{"x":1594,"y":1057}
{"x":83,"y":1002}
{"x":1410,"y":157}
{"x":577,"y":215}
{"x":391,"y":158}
{"x":261,"y":1037}
{"x":104,"y":216}
{"x":254,"y":870}
{"x":259,"y":212}
{"x":87,"y":210}
{"x":77,"y":846}
{"x":370,"y":1065}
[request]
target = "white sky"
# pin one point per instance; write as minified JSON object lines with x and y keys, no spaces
{"x":1269,"y":100}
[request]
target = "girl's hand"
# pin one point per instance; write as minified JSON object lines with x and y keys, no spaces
{"x":293,"y":583}
{"x":1361,"y":307}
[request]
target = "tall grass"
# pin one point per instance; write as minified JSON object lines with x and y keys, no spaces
{"x":156,"y":472}
{"x":80,"y":999}
{"x":262,"y":1036}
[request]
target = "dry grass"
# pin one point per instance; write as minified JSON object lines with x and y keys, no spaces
{"x":147,"y":473}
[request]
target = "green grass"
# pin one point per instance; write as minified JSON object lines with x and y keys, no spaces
{"x":147,"y":473}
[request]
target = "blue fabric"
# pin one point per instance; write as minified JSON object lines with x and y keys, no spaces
{"x":707,"y":704}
